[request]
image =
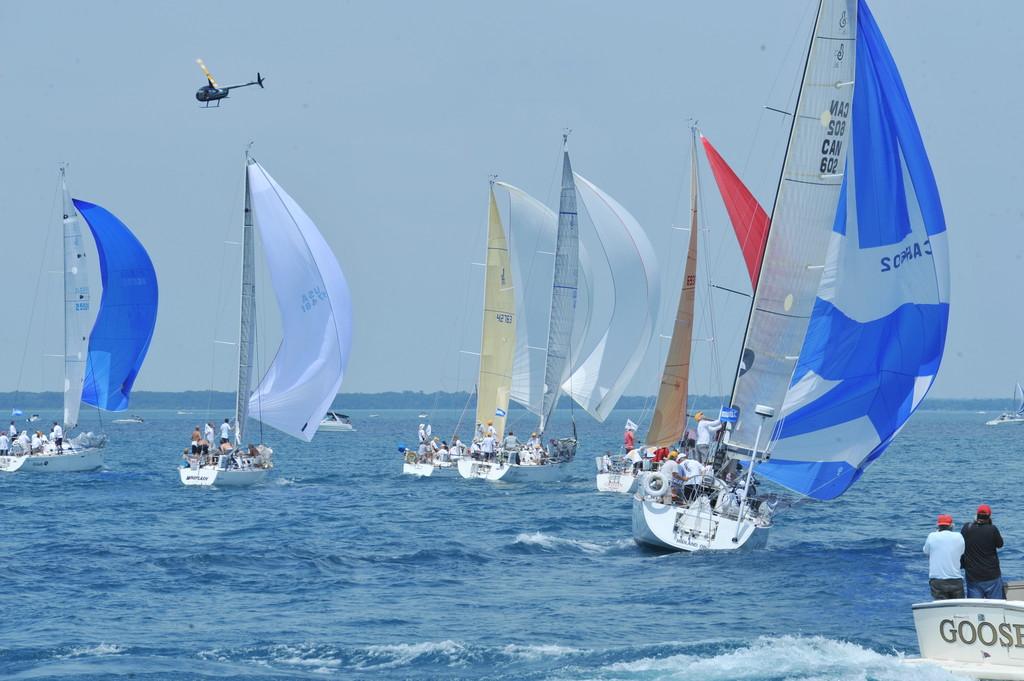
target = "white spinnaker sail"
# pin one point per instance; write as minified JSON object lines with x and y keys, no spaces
{"x":77,"y":315}
{"x":1018,"y":395}
{"x":316,"y":313}
{"x":802,"y":220}
{"x":531,"y":228}
{"x":599,"y":380}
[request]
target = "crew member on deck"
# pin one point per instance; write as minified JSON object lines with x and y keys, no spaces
{"x":208,"y":431}
{"x":58,"y":437}
{"x":196,"y":439}
{"x":629,"y":438}
{"x":534,"y":441}
{"x":706,"y":428}
{"x":225,"y":432}
{"x":487,"y":447}
{"x":981,"y":556}
{"x":510,"y":442}
{"x":13,"y":430}
{"x":945,"y":549}
{"x":5,"y":444}
{"x":491,"y":430}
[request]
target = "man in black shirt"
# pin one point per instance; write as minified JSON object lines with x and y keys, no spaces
{"x":981,"y":559}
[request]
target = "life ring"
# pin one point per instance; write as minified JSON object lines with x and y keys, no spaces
{"x":656,"y":484}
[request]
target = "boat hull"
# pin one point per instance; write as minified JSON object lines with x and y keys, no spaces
{"x":693,"y":528}
{"x":420,"y":470}
{"x":207,"y":476}
{"x":333,"y":427}
{"x":1006,"y":421}
{"x":493,"y":472}
{"x":622,"y":483}
{"x":979,"y":638}
{"x":69,"y":462}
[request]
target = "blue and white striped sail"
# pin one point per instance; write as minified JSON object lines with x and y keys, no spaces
{"x":124,"y":326}
{"x":877,"y":330}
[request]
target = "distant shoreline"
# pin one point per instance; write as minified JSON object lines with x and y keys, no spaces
{"x":201,"y":399}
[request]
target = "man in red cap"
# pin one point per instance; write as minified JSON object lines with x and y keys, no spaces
{"x":981,"y":557}
{"x":944,"y":549}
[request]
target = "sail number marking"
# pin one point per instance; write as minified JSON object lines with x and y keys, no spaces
{"x":503,"y":317}
{"x":311,"y":297}
{"x":831,"y":149}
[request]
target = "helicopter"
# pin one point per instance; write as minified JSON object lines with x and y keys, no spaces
{"x":215,"y":93}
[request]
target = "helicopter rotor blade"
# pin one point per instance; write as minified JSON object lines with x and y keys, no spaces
{"x":209,"y":76}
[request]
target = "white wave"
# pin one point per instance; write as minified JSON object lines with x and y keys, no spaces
{"x":792,"y":658}
{"x":390,"y":656}
{"x":94,"y":651}
{"x":537,"y":652}
{"x":552,"y":542}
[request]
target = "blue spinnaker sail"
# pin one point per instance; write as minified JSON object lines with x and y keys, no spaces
{"x":124,"y":326}
{"x":878,"y":326}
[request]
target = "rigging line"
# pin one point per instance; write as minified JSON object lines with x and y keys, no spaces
{"x":35,"y":296}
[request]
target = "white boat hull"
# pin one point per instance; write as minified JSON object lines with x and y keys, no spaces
{"x":206,"y":476}
{"x":1006,"y":420}
{"x":334,"y":427}
{"x":69,"y":462}
{"x":982,"y":639}
{"x":485,"y":470}
{"x":622,"y":483}
{"x":420,"y":470}
{"x":693,"y":528}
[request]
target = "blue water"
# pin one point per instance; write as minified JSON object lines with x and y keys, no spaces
{"x":340,"y":567}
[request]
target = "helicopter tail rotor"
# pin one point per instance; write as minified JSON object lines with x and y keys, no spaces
{"x":259,"y":79}
{"x":209,"y":76}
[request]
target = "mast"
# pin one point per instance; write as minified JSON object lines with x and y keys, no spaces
{"x":247,"y":312}
{"x":669,"y":420}
{"x":563,"y":291}
{"x":76,"y":307}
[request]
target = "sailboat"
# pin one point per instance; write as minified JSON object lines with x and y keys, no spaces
{"x":102,"y":357}
{"x":534,"y":342}
{"x":1016,"y":416}
{"x":848,"y":320}
{"x":669,"y":415}
{"x":313,"y":299}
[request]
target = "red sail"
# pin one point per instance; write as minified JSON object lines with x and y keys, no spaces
{"x":748,"y":218}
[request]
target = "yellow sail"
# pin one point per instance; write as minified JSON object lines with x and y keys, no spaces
{"x":669,"y":419}
{"x":498,"y":343}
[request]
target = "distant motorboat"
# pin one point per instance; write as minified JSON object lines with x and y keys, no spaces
{"x":1011,"y":416}
{"x":129,"y":419}
{"x":336,"y":422}
{"x":33,"y":418}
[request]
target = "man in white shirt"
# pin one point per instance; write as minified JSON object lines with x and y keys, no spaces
{"x":58,"y":436}
{"x":706,"y":429}
{"x":692,"y":473}
{"x":5,"y":444}
{"x":37,"y":443}
{"x":487,"y":447}
{"x":225,"y":432}
{"x":944,"y":549}
{"x":491,"y":430}
{"x":13,"y":430}
{"x":670,"y":469}
{"x":23,"y":442}
{"x":208,"y":432}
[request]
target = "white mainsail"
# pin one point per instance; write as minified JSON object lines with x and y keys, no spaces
{"x":802,"y":220}
{"x":247,"y":318}
{"x":598,"y":381}
{"x":498,"y":336}
{"x":669,"y":419}
{"x":77,"y":315}
{"x":557,"y":365}
{"x":532,"y":230}
{"x":316,"y":313}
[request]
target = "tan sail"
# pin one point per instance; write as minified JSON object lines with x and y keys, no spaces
{"x":669,"y":419}
{"x":498,"y":343}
